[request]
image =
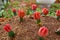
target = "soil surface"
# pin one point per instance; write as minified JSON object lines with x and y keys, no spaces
{"x":28,"y":29}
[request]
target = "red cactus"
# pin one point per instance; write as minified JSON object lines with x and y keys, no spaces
{"x":43,"y":31}
{"x":36,"y":15}
{"x":7,"y":27}
{"x":58,"y":12}
{"x":34,"y":6}
{"x":14,"y":9}
{"x":21,"y":13}
{"x":45,"y":11}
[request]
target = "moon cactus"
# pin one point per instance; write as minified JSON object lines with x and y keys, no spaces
{"x":21,"y":14}
{"x":58,"y":14}
{"x":14,"y":11}
{"x":43,"y":31}
{"x":8,"y":29}
{"x":33,"y":6}
{"x":37,"y":17}
{"x":45,"y":11}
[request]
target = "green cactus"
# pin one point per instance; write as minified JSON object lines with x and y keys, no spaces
{"x":11,"y":34}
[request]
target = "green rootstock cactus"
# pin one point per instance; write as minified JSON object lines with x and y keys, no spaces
{"x":58,"y":18}
{"x":41,"y":38}
{"x":38,"y":21}
{"x":11,"y":34}
{"x":21,"y":19}
{"x":15,"y":14}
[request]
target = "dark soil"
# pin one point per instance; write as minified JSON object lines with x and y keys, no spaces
{"x":28,"y":29}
